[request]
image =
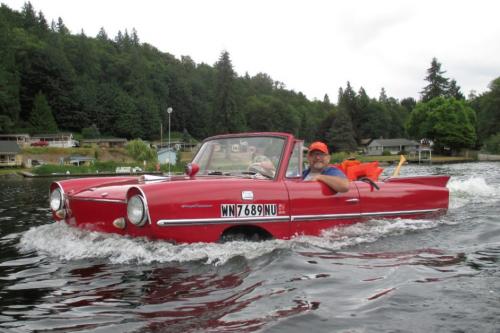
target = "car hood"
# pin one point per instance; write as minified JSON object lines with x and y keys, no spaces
{"x":116,"y":190}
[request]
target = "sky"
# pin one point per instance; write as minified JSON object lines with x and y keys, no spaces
{"x":312,"y":46}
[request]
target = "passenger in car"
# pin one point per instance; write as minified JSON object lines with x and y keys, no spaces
{"x":320,"y":170}
{"x":261,"y":163}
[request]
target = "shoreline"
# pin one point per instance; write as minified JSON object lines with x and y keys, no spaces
{"x":22,"y":172}
{"x":27,"y":174}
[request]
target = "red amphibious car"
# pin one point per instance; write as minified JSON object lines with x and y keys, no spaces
{"x":240,"y":185}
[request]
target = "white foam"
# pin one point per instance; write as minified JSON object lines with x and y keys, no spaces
{"x":472,"y":186}
{"x":472,"y":189}
{"x":69,"y":243}
{"x":366,"y":232}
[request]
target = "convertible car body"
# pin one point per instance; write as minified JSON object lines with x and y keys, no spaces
{"x":225,"y":194}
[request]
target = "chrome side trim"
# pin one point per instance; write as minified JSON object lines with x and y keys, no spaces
{"x":323,"y":217}
{"x":295,"y":218}
{"x":222,"y":220}
{"x":361,"y":215}
{"x":402,"y":212}
{"x":99,"y":200}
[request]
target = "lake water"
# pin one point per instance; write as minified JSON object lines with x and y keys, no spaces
{"x":382,"y":276}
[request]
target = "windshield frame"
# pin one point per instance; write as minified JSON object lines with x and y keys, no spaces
{"x":275,"y":142}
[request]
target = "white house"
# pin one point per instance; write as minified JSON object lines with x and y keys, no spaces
{"x":167,"y":156}
{"x":9,"y":154}
{"x":60,"y":140}
{"x":394,"y":146}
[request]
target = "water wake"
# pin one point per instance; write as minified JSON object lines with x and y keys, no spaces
{"x":471,"y":190}
{"x":69,"y":243}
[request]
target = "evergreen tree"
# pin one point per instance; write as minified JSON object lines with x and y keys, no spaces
{"x":383,"y":96}
{"x":326,"y":99}
{"x":6,"y":124}
{"x":41,"y":118}
{"x":61,"y":27}
{"x":226,"y":118}
{"x":454,"y":90}
{"x":119,"y":37}
{"x":349,"y":102}
{"x":9,"y":81}
{"x":149,"y":114}
{"x":42,"y":22}
{"x":488,"y":111}
{"x":128,"y":121}
{"x":408,"y":103}
{"x":102,"y":35}
{"x":339,"y":136}
{"x":367,"y":116}
{"x":29,"y":16}
{"x":135,"y":37}
{"x":91,"y":132}
{"x":438,"y":84}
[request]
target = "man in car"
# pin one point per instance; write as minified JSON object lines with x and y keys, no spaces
{"x":320,"y":170}
{"x":261,"y":163}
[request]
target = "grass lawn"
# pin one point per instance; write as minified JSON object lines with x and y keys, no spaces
{"x":9,"y":171}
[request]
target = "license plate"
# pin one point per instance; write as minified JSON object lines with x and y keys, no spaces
{"x":248,"y":210}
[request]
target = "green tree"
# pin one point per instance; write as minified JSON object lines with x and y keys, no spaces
{"x":340,"y":136}
{"x":492,"y":144}
{"x":438,"y":84}
{"x":450,"y":123}
{"x":488,"y":111}
{"x":149,"y":114}
{"x":128,"y":122}
{"x":29,"y":15}
{"x":348,"y":101}
{"x":454,"y":90}
{"x":61,"y":27}
{"x":226,"y":118}
{"x":6,"y":124}
{"x":408,"y":103}
{"x":140,"y":151}
{"x":102,"y":35}
{"x":41,"y":118}
{"x":91,"y":132}
{"x":397,"y":117}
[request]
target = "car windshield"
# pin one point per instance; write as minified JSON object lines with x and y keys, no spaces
{"x":252,"y":156}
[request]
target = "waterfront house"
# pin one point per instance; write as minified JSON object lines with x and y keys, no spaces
{"x":80,"y":160}
{"x":105,"y":143}
{"x":23,"y":140}
{"x":60,"y":140}
{"x":394,"y":146}
{"x":10,"y":154}
{"x":167,"y":156}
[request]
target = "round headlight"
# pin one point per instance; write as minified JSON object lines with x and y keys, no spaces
{"x":136,"y":210}
{"x":56,"y":199}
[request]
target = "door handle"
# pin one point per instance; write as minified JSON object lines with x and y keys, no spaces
{"x":354,"y":200}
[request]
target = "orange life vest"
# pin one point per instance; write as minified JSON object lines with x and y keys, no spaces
{"x":354,"y":169}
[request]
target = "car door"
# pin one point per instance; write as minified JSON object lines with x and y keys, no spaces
{"x":315,"y":207}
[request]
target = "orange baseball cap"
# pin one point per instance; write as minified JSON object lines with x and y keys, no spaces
{"x":318,"y":146}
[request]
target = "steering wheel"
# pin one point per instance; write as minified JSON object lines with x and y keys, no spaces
{"x":257,"y":168}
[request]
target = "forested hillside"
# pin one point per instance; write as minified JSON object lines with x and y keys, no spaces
{"x":52,"y":80}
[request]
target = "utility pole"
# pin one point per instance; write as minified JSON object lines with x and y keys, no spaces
{"x":169,"y":111}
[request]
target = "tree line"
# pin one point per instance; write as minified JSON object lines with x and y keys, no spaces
{"x":52,"y":80}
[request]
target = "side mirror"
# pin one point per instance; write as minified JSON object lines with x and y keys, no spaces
{"x":191,"y":169}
